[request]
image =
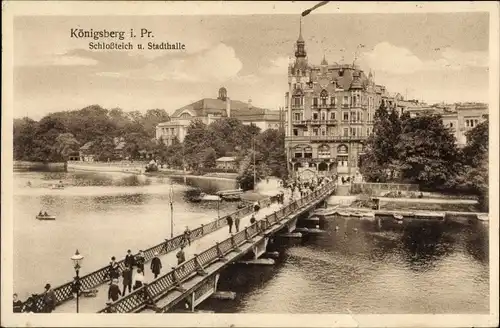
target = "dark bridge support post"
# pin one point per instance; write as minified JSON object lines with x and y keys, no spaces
{"x":203,"y":292}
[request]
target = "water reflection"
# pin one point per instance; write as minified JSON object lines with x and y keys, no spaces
{"x":368,"y":266}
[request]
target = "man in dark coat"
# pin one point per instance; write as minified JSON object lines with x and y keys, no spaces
{"x":230,"y":223}
{"x":156,"y":265}
{"x":114,"y":291}
{"x":237,"y":223}
{"x":256,"y":207}
{"x":252,"y":220}
{"x":114,"y":269}
{"x":127,"y":279}
{"x":139,"y":261}
{"x":129,"y":259}
{"x":187,"y":236}
{"x":181,"y":257}
{"x":49,"y":299}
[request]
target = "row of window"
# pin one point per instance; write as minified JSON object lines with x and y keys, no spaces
{"x":325,"y":100}
{"x":355,"y":116}
{"x":168,"y":131}
{"x":347,"y":132}
{"x":471,"y":123}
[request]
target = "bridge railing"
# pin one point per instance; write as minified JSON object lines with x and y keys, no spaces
{"x":100,"y":276}
{"x":161,"y":286}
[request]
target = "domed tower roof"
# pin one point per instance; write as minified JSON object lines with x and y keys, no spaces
{"x":222,"y":94}
{"x":356,"y":82}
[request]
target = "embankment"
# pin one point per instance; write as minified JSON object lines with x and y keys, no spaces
{"x":23,"y":166}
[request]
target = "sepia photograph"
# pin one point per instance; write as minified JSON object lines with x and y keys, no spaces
{"x":250,"y":164}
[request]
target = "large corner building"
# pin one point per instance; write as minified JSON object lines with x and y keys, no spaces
{"x":330,"y":114}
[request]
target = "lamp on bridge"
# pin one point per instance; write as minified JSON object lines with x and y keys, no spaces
{"x":77,"y":260}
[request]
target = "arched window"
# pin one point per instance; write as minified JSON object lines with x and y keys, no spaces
{"x":185,"y":115}
{"x":342,"y":149}
{"x":324,"y":97}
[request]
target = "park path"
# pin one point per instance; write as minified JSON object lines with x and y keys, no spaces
{"x":169,"y":260}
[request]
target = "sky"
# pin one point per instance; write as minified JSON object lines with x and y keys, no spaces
{"x":432,"y":57}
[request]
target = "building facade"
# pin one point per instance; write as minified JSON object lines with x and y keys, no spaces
{"x":208,"y":110}
{"x":330,"y":111}
{"x":460,"y":118}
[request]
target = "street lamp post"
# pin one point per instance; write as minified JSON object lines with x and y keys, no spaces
{"x":77,"y":259}
{"x":253,"y":148}
{"x":171,"y":212}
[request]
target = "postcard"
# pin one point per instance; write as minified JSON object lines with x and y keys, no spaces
{"x":250,"y":164}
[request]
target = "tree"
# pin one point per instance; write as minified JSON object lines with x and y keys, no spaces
{"x":104,"y":148}
{"x":380,"y":146}
{"x":271,"y":144}
{"x":428,"y":150}
{"x":209,"y":156}
{"x":24,"y":138}
{"x":65,"y":145}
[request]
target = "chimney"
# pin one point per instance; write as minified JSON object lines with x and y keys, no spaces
{"x":228,"y":107}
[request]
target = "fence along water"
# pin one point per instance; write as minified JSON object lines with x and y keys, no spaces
{"x":64,"y":292}
{"x":149,"y":293}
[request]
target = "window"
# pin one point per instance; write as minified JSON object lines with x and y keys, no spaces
{"x":323,"y":116}
{"x":295,"y":132}
{"x":346,"y":132}
{"x":346,"y":116}
{"x":315,"y":116}
{"x":296,"y":116}
{"x":315,"y":132}
{"x":315,"y":101}
{"x":297,"y":101}
{"x":353,"y":132}
{"x":324,"y":97}
{"x":298,"y":155}
{"x":323,"y":132}
{"x":346,"y":100}
{"x":308,"y":155}
{"x":332,"y":101}
{"x":185,"y":115}
{"x":332,"y":116}
{"x":451,"y":124}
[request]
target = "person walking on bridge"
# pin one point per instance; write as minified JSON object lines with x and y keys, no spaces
{"x":127,"y":279}
{"x":156,"y":265}
{"x":49,"y":299}
{"x":17,"y":304}
{"x":237,"y":223}
{"x":114,"y":269}
{"x":140,"y":260}
{"x":181,"y":257}
{"x":114,"y":291}
{"x":252,"y":219}
{"x":187,"y":236}
{"x":230,"y":223}
{"x":129,"y":259}
{"x":139,"y":279}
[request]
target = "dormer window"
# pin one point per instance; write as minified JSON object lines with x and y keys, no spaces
{"x":185,"y":115}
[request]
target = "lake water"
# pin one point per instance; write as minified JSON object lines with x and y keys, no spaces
{"x":361,"y":267}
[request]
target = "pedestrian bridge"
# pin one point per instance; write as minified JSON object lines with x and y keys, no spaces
{"x":196,"y":279}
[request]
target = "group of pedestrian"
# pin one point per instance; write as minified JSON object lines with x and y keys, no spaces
{"x":236,"y":223}
{"x":130,"y":280}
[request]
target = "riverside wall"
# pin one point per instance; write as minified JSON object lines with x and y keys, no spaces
{"x":24,"y":166}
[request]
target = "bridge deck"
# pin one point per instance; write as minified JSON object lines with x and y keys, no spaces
{"x":175,"y":296}
{"x":169,"y":260}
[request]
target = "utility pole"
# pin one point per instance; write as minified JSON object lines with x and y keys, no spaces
{"x":253,"y":151}
{"x":171,"y":211}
